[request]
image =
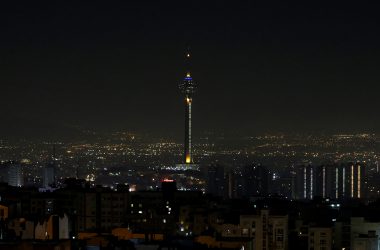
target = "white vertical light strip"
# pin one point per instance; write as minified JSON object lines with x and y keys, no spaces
{"x":344,"y":181}
{"x":324,"y":182}
{"x":190,"y":153}
{"x":311,"y":183}
{"x":336,"y":183}
{"x":304,"y":183}
{"x":352,"y":181}
{"x":359,"y":181}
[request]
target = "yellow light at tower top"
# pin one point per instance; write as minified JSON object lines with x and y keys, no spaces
{"x":188,"y":74}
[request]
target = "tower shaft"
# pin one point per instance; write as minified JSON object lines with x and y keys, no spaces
{"x":188,"y":153}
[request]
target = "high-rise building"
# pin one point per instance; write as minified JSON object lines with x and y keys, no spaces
{"x":267,"y":231}
{"x":49,"y":172}
{"x":230,"y":185}
{"x":15,"y":175}
{"x":327,"y":183}
{"x":305,"y":185}
{"x":356,"y":180}
{"x":216,"y":182}
{"x":187,"y":87}
{"x":255,"y":180}
{"x":49,"y":175}
{"x":334,"y":181}
{"x":346,"y":181}
{"x":320,"y":238}
{"x":281,"y":186}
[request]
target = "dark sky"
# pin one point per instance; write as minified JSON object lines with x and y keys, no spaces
{"x":260,"y":66}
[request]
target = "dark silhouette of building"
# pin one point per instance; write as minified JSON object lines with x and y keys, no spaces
{"x":216,"y":181}
{"x":49,"y":171}
{"x":255,"y":180}
{"x":281,"y":186}
{"x":15,"y":175}
{"x":168,"y":187}
{"x":327,"y":183}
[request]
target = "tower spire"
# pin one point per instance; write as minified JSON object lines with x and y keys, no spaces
{"x":188,"y":62}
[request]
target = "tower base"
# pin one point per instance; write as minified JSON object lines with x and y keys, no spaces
{"x":187,"y":166}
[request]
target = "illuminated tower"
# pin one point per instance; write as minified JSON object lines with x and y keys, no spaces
{"x":187,"y":87}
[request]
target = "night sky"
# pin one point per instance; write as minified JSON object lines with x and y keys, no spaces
{"x":260,"y":67}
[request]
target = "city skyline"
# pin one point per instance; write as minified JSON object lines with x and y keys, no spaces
{"x":262,"y":67}
{"x":189,"y":125}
